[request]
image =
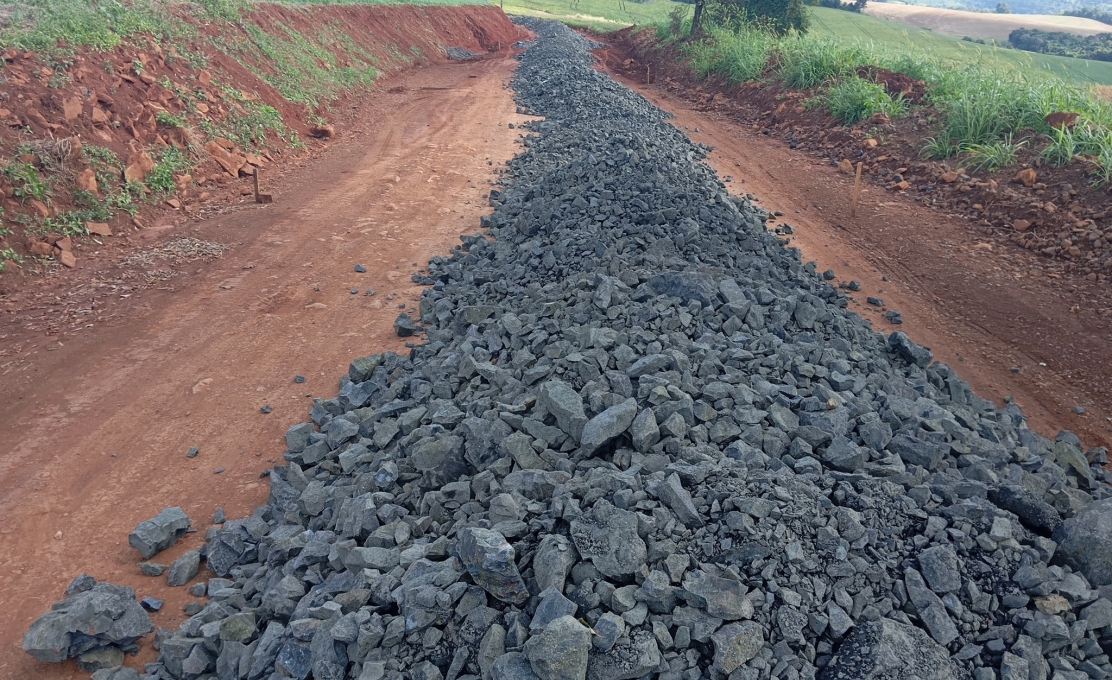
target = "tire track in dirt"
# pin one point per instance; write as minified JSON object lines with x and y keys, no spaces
{"x":97,"y":431}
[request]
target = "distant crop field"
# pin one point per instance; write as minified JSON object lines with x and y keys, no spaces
{"x":961,"y":23}
{"x":849,"y":27}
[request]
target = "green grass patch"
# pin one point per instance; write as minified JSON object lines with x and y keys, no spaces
{"x":171,"y":161}
{"x":851,"y":27}
{"x":993,"y":101}
{"x":300,"y":68}
{"x":250,"y":125}
{"x":26,"y":181}
{"x":739,"y":57}
{"x":60,"y":26}
{"x":601,"y":15}
{"x":854,"y":99}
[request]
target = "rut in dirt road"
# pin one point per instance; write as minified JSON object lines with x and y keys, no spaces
{"x":642,"y":438}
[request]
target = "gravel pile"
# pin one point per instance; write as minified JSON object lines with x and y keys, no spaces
{"x":643,"y":438}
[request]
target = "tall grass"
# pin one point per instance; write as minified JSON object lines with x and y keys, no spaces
{"x":739,"y":57}
{"x":988,"y":112}
{"x":854,"y":99}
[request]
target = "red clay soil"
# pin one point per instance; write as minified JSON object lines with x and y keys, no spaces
{"x":104,"y":100}
{"x":119,"y":367}
{"x":1055,"y":214}
{"x":1005,"y":321}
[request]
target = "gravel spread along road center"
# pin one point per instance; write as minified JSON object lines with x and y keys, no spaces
{"x":641,"y":437}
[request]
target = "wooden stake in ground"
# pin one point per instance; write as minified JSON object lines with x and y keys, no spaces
{"x":648,"y":75}
{"x":260,"y":198}
{"x":856,"y":192}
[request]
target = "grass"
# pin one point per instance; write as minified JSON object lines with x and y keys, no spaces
{"x":854,"y":99}
{"x":850,"y":27}
{"x":601,"y":15}
{"x":1000,"y":153}
{"x":60,"y":26}
{"x":161,"y":178}
{"x":991,"y":110}
{"x":26,"y":181}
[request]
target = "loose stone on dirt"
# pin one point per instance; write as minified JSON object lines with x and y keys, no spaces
{"x":642,"y":438}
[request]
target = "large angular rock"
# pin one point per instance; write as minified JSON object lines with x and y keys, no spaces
{"x":608,"y":537}
{"x":607,"y":425}
{"x":92,"y":617}
{"x":184,"y":568}
{"x":916,"y":451}
{"x":723,"y":598}
{"x":559,"y":399}
{"x":441,"y":460}
{"x":842,"y":454}
{"x":677,"y":498}
{"x":644,"y":430}
{"x":1030,"y":509}
{"x":886,"y":649}
{"x":512,"y":666}
{"x":553,"y":561}
{"x":490,"y":561}
{"x":154,"y":535}
{"x":939,"y":566}
{"x":1085,"y":542}
{"x":687,"y":286}
{"x":631,"y":657}
{"x":559,"y":651}
{"x":736,"y":643}
{"x":913,"y":354}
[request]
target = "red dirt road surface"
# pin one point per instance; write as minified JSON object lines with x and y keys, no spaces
{"x":96,"y":428}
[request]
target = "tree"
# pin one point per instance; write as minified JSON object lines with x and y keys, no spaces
{"x":1002,"y":8}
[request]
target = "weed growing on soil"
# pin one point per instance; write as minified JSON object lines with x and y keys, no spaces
{"x":250,"y":124}
{"x":59,"y":26}
{"x":1001,"y":153}
{"x":805,"y":63}
{"x":26,"y":182}
{"x":9,"y":255}
{"x":854,"y":99}
{"x":161,"y":178}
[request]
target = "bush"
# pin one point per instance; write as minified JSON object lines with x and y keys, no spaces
{"x":855,"y":99}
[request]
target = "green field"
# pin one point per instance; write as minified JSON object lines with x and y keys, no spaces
{"x":601,"y":15}
{"x":849,"y":27}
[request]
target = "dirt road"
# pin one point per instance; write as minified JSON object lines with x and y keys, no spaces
{"x":95,"y":432}
{"x":975,"y":308}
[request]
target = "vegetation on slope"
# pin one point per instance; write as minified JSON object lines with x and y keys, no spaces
{"x":986,"y":113}
{"x":114,"y":107}
{"x":1098,"y":47}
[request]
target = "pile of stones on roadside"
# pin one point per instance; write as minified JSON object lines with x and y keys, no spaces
{"x":642,"y":439}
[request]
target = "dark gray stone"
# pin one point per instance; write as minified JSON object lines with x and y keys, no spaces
{"x":104,"y":615}
{"x":1085,"y":542}
{"x":154,"y":535}
{"x":888,"y":649}
{"x":608,"y":537}
{"x":183,"y":569}
{"x":490,"y":561}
